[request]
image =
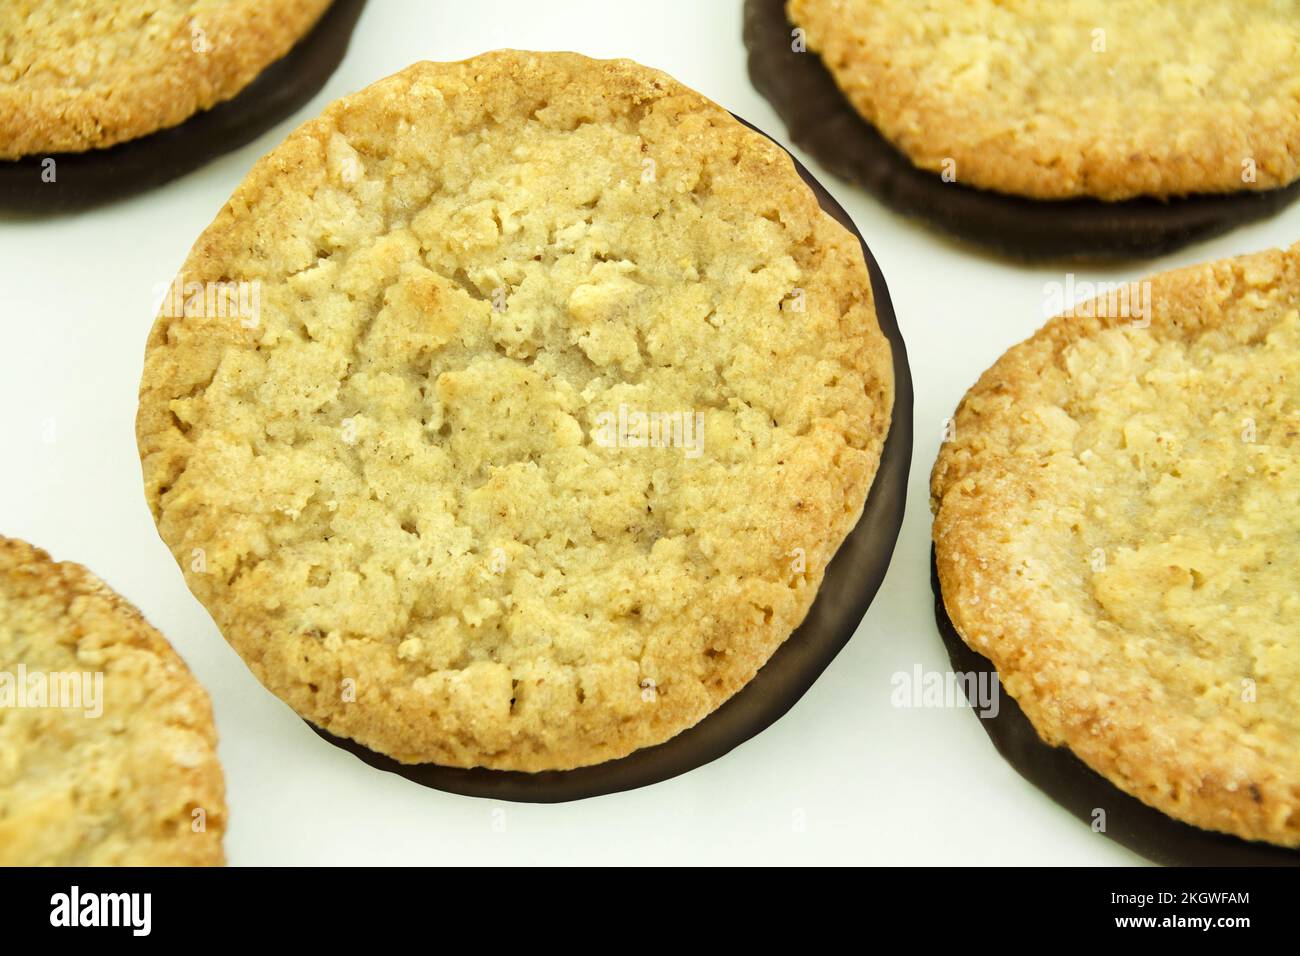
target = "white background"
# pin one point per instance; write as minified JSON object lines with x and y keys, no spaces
{"x":844,"y":777}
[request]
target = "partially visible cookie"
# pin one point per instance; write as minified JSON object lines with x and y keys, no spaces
{"x":396,"y":404}
{"x":1117,"y":528}
{"x":86,"y":74}
{"x":821,"y":120}
{"x":107,"y":748}
{"x":1111,"y":99}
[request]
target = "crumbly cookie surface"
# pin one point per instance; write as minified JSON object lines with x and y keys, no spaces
{"x":85,"y":74}
{"x":1118,"y":529}
{"x":112,"y":775}
{"x":1104,"y":98}
{"x":418,"y":521}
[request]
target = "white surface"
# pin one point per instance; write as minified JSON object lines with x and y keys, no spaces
{"x":845,"y":777}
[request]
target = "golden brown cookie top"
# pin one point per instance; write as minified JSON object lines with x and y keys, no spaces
{"x":85,"y":74}
{"x":1118,"y":529}
{"x":1104,"y":98}
{"x":548,"y":372}
{"x":107,"y":748}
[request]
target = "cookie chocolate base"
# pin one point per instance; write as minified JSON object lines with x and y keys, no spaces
{"x":821,"y":121}
{"x":851,"y":581}
{"x":86,"y":179}
{"x":1082,"y":791}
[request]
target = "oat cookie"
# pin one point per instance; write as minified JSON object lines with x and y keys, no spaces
{"x":107,"y":747}
{"x":1116,"y":527}
{"x":1111,"y":99}
{"x":84,"y":74}
{"x":424,"y":523}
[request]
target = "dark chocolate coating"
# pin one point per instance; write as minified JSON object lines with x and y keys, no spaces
{"x":97,"y":176}
{"x":851,"y":581}
{"x":821,"y":121}
{"x":1081,"y":790}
